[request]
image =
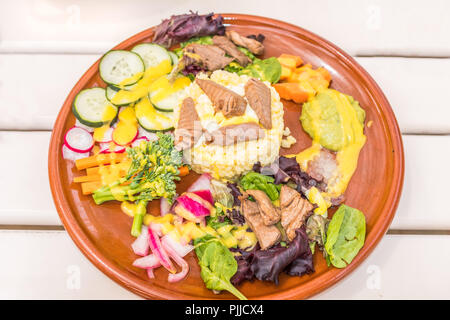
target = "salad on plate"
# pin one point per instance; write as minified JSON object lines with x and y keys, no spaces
{"x":200,"y":99}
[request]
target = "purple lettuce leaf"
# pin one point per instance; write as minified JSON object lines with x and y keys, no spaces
{"x":179,"y":28}
{"x":295,"y":259}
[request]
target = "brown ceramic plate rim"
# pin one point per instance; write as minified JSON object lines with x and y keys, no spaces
{"x":307,"y":289}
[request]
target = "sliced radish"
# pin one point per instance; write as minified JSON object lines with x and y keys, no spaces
{"x":158,"y":250}
{"x":140,"y":245}
{"x":148,"y":262}
{"x":150,"y":273}
{"x":149,"y":135}
{"x":205,"y":195}
{"x":111,"y":147}
{"x":78,"y":140}
{"x":181,"y":249}
{"x":103,"y":134}
{"x":137,"y":142}
{"x":186,"y":214}
{"x":178,"y":260}
{"x":72,"y":155}
{"x":83,"y":126}
{"x":202,"y":183}
{"x":164,"y":206}
{"x":195,"y":204}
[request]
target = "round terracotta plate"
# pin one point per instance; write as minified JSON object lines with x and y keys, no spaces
{"x":103,"y":232}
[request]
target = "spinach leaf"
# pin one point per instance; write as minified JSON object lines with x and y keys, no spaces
{"x":265,"y":70}
{"x":257,"y":181}
{"x":198,"y":40}
{"x":345,"y":236}
{"x":218,"y":265}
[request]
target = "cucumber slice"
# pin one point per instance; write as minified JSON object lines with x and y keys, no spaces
{"x":111,"y":91}
{"x":152,"y":54}
{"x":92,"y":109}
{"x":169,"y":102}
{"x":151,"y":119}
{"x":174,"y":58}
{"x":117,"y":66}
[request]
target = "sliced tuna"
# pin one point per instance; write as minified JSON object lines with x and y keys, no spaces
{"x":267,"y":235}
{"x":294,"y":210}
{"x":270,"y":214}
{"x":230,"y":48}
{"x":189,"y":128}
{"x":211,"y":57}
{"x":235,"y":133}
{"x":223,"y":99}
{"x":253,"y":45}
{"x":259,"y":98}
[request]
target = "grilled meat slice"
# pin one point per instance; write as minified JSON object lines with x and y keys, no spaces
{"x":189,"y":128}
{"x":253,"y":45}
{"x":223,"y":99}
{"x":294,"y":210}
{"x":259,"y":98}
{"x":235,"y":133}
{"x":267,"y":235}
{"x":211,"y":57}
{"x":270,"y":214}
{"x":230,"y":48}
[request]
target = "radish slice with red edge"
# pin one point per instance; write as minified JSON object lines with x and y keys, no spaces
{"x":202,"y":183}
{"x":181,"y":249}
{"x":137,"y":142}
{"x":149,"y":135}
{"x":140,"y":245}
{"x":150,"y":273}
{"x":78,"y":140}
{"x":164,"y":206}
{"x":72,"y":155}
{"x":198,"y":206}
{"x":148,"y":262}
{"x":205,"y":195}
{"x":178,"y":260}
{"x":158,"y":250}
{"x":105,"y":147}
{"x":83,"y":126}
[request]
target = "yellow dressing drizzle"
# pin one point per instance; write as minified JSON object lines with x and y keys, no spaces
{"x":347,"y":156}
{"x":142,"y":87}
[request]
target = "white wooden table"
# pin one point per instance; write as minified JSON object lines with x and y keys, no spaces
{"x":46,"y":45}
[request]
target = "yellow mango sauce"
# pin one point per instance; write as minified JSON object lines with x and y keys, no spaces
{"x":142,"y":87}
{"x":164,"y":88}
{"x":346,"y":155}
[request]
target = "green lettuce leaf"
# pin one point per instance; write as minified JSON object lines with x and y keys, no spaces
{"x":265,"y":70}
{"x":217,"y":265}
{"x":345,"y":236}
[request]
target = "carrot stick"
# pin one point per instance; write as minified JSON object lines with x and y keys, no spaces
{"x":184,"y":171}
{"x":99,"y":159}
{"x":96,"y":170}
{"x":90,"y":187}
{"x":91,"y":177}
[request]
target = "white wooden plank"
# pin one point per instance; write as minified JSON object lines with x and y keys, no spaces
{"x":26,"y":198}
{"x":29,"y":270}
{"x":401,"y":267}
{"x":360,"y":27}
{"x":48,"y":265}
{"x":416,"y":89}
{"x":25,"y":195}
{"x":34,"y":87}
{"x":423,"y":202}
